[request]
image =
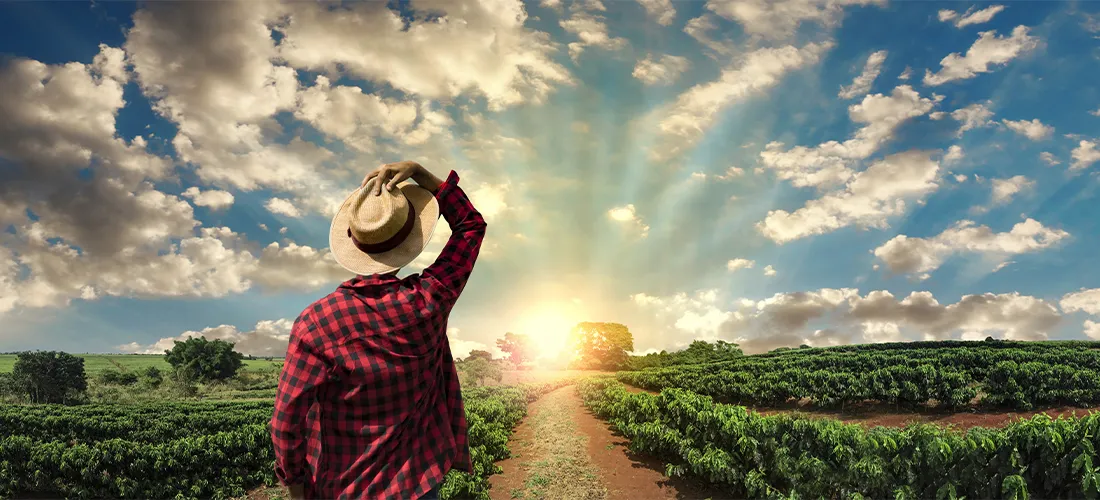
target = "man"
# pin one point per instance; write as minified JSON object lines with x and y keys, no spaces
{"x":370,"y":364}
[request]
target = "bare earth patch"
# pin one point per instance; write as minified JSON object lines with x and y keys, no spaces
{"x":549,"y":455}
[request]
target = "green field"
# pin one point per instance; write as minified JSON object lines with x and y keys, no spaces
{"x":94,"y":363}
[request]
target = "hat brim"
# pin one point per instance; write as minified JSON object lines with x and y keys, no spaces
{"x":426,"y":209}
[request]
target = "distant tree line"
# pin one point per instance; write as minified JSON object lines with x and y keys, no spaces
{"x":698,"y":352}
{"x":59,"y":377}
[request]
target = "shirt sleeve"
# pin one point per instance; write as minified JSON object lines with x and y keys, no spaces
{"x":447,"y":276}
{"x":303,"y":372}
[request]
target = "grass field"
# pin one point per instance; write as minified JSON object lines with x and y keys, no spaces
{"x":94,"y":363}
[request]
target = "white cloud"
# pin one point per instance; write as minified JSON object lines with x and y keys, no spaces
{"x":1092,"y":329}
{"x":778,"y":19}
{"x":700,"y":28}
{"x":660,"y":11}
{"x":682,"y":123}
{"x":1048,"y":158}
{"x":484,"y":48}
{"x":830,"y":163}
{"x":267,"y":338}
{"x":1095,"y":112}
{"x":660,"y":71}
{"x":971,"y":17}
{"x":1034,"y":129}
{"x":592,"y":32}
{"x":989,"y":50}
{"x":279,"y":206}
{"x":786,"y":319}
{"x":737,"y":264}
{"x":212,"y":198}
{"x":628,"y":216}
{"x":973,"y":116}
{"x":1084,"y":155}
{"x":954,"y":154}
{"x":361,"y":120}
{"x":862,"y":83}
{"x":1087,"y":301}
{"x":1005,"y":189}
{"x":868,"y":200}
{"x":769,"y":271}
{"x":905,"y":74}
{"x":906,"y":255}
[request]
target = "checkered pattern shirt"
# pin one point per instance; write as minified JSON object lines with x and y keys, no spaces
{"x":368,"y":403}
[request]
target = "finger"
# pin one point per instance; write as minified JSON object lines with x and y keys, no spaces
{"x":383,"y":177}
{"x":369,"y":177}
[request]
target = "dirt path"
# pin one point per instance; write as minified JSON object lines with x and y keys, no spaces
{"x":563,"y":451}
{"x":549,"y":455}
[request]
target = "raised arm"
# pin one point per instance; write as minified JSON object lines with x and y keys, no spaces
{"x":447,"y":276}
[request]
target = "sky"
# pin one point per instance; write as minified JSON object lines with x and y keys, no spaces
{"x":771,"y":173}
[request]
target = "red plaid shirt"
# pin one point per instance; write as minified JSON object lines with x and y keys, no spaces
{"x":368,"y":404}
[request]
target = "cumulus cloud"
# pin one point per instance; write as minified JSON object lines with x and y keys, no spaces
{"x":739,"y":263}
{"x":591,"y":29}
{"x":831,"y":163}
{"x":266,"y":338}
{"x":1084,"y":300}
{"x":435,"y":60}
{"x":954,"y":154}
{"x":884,"y":190}
{"x":788,"y":319}
{"x":681,"y":124}
{"x":1034,"y":129}
{"x":862,"y":84}
{"x":908,"y":255}
{"x":1048,"y":158}
{"x":778,"y":19}
{"x":987,"y":52}
{"x":627,"y":216}
{"x":279,"y":206}
{"x":970,"y":17}
{"x":769,"y":271}
{"x":660,"y":11}
{"x":213,"y":199}
{"x":1087,"y":301}
{"x":972,"y":116}
{"x":1084,"y":155}
{"x":1005,"y":189}
{"x":362,"y":120}
{"x":461,"y":348}
{"x":663,"y":70}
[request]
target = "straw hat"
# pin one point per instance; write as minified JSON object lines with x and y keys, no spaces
{"x":375,"y":234}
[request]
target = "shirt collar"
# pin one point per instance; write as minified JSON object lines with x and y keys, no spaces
{"x":368,"y":280}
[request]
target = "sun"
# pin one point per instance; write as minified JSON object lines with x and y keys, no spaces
{"x":548,"y":328}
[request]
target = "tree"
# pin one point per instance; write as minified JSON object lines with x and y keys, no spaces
{"x":204,"y":360}
{"x":517,"y":346}
{"x":478,"y":369}
{"x":477,"y":353}
{"x":49,"y":376}
{"x":600,"y":345}
{"x":152,"y":376}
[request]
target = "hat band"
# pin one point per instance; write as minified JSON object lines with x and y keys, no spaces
{"x":391,"y":242}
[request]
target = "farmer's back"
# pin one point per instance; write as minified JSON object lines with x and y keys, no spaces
{"x":371,"y":365}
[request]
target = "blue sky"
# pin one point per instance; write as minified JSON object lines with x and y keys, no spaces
{"x":771,"y":173}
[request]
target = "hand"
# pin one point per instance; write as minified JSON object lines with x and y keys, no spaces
{"x":391,"y":174}
{"x":298,"y":492}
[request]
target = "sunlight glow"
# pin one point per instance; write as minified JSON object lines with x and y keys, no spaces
{"x":548,"y":327}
